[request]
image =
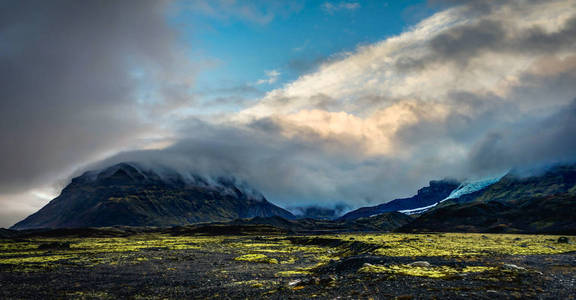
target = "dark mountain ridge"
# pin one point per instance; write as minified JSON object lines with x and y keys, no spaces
{"x":542,"y":203}
{"x":126,"y":194}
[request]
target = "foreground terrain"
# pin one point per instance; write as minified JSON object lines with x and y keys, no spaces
{"x":121,"y":264}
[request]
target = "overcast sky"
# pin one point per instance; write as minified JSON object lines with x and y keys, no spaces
{"x":329,"y":103}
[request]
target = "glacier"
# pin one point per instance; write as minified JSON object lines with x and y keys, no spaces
{"x":464,"y":189}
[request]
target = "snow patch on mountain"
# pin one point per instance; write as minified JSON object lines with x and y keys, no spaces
{"x":471,"y":187}
{"x":464,"y":189}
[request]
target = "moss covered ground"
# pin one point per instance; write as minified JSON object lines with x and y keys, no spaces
{"x":163,"y":265}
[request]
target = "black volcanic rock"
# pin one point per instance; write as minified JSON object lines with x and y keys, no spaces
{"x":128,"y":195}
{"x":543,"y":203}
{"x":438,"y":190}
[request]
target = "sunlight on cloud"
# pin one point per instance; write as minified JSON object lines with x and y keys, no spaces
{"x":375,"y":132}
{"x":371,"y":94}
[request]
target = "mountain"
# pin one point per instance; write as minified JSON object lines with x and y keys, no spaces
{"x":383,"y":222}
{"x":541,"y":203}
{"x":466,"y":192}
{"x":126,"y":194}
{"x":427,"y":196}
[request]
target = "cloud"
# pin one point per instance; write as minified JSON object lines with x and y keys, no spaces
{"x":271,"y":77}
{"x":305,"y":64}
{"x":332,"y":7}
{"x":291,"y":171}
{"x":525,"y":144}
{"x":82,"y":80}
{"x":466,"y":42}
{"x":436,"y":97}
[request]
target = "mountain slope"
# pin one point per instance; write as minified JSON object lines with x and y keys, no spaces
{"x":125,"y":194}
{"x":543,"y":203}
{"x":432,"y":194}
{"x":466,"y":192}
{"x":383,"y":222}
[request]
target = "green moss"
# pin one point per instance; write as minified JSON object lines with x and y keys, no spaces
{"x":35,"y":259}
{"x":254,"y":283}
{"x":461,"y":244}
{"x":291,"y":273}
{"x":290,"y":260}
{"x":25,"y":255}
{"x":257,"y":258}
{"x":431,"y":272}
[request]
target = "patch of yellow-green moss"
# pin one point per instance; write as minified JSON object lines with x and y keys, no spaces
{"x":254,"y":283}
{"x":34,"y":259}
{"x":431,"y":272}
{"x":289,"y":261}
{"x":257,"y":258}
{"x":25,"y":254}
{"x":459,"y":244}
{"x":291,"y":273}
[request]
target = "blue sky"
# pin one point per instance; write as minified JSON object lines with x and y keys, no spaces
{"x":237,"y":51}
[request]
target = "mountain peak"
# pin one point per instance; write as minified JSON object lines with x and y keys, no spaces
{"x":128,"y":194}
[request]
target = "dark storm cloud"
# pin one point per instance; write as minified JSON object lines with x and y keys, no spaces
{"x":71,"y":73}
